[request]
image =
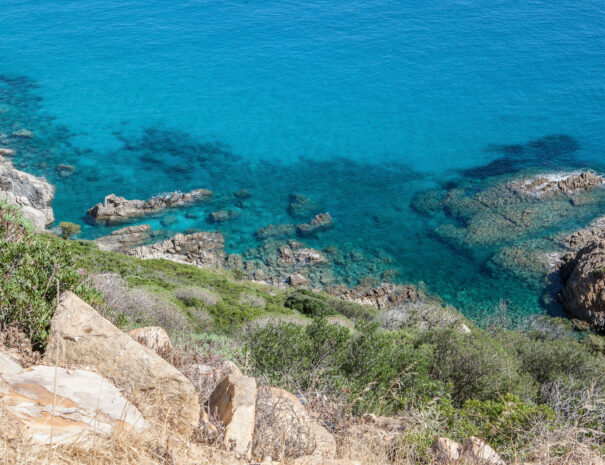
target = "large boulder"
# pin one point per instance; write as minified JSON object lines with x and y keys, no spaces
{"x":82,"y":338}
{"x":33,"y":195}
{"x":284,"y":428}
{"x":116,"y":209}
{"x":583,"y":293}
{"x":233,"y":402}
{"x":66,"y":406}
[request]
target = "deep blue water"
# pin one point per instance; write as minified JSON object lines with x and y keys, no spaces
{"x":358,"y":105}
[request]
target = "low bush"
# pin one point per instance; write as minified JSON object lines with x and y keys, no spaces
{"x":477,"y":365}
{"x":33,"y":270}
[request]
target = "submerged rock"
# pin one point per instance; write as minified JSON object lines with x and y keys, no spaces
{"x":65,"y":170}
{"x":23,"y":133}
{"x":32,"y":194}
{"x":320,"y":222}
{"x":222,"y":215}
{"x":200,"y":249}
{"x":118,"y":209}
{"x":4,"y":152}
{"x":275,"y":231}
{"x":124,"y":239}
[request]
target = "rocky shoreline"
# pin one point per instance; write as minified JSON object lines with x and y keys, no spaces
{"x":502,"y":211}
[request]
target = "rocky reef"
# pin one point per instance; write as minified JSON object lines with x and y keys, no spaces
{"x":117,"y":209}
{"x":34,"y":195}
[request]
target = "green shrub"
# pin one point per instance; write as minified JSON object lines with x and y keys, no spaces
{"x":477,"y":366}
{"x":547,"y":360}
{"x":504,"y":423}
{"x":69,"y":229}
{"x":309,"y":303}
{"x":32,"y":270}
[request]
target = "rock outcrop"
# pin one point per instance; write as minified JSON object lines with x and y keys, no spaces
{"x":233,"y":402}
{"x":583,"y":293}
{"x":557,"y":184}
{"x":32,"y":194}
{"x":80,"y":337}
{"x":203,"y":249}
{"x":117,"y":209}
{"x":66,"y":406}
{"x":385,"y":296}
{"x":124,"y":239}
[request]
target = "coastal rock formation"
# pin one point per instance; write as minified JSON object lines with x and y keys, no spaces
{"x":80,"y":337}
{"x":594,"y":232}
{"x":318,"y":223}
{"x":556,"y":184}
{"x":33,"y":195}
{"x":497,"y":211}
{"x":583,"y":293}
{"x":122,"y":240}
{"x":275,"y":263}
{"x":233,"y":402}
{"x":116,"y":209}
{"x":66,"y":406}
{"x":385,"y":296}
{"x":201,"y":249}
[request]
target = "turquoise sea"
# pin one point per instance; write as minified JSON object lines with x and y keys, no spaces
{"x":358,"y":105}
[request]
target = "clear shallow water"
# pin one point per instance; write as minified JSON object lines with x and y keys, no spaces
{"x":358,"y":105}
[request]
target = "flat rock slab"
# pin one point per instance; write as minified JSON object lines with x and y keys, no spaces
{"x":74,"y":404}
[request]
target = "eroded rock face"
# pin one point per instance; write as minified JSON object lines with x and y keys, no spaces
{"x":32,"y":194}
{"x":284,"y":428}
{"x":8,"y":365}
{"x":85,"y":405}
{"x":80,"y":337}
{"x":200,"y":249}
{"x":124,"y":239}
{"x":557,"y":184}
{"x":117,"y":209}
{"x":583,"y":293}
{"x":233,"y":401}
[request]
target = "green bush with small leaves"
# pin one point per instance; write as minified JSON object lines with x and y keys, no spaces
{"x":33,"y":269}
